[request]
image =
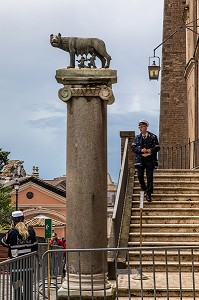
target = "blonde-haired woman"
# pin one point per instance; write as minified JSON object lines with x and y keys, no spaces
{"x":20,"y":240}
{"x":23,"y":230}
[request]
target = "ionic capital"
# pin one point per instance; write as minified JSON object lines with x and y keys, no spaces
{"x":102,"y":91}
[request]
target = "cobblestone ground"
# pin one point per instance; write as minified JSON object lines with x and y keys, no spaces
{"x":135,"y":283}
{"x":5,"y":291}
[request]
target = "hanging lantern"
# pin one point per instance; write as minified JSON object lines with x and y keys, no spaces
{"x":154,"y":67}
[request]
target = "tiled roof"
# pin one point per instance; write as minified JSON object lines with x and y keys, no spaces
{"x":39,"y":221}
{"x":40,"y":182}
{"x":40,"y":213}
{"x":59,"y":182}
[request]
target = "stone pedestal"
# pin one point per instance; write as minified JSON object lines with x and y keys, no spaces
{"x":87,"y":93}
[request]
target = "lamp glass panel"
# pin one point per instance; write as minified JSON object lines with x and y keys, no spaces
{"x":154,"y":72}
{"x":16,"y":186}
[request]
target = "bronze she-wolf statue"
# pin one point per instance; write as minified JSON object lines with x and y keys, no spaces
{"x":81,"y":46}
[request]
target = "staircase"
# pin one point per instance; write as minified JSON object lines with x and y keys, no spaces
{"x":171,"y":219}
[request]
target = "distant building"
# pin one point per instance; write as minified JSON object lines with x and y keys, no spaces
{"x":40,"y":199}
{"x":111,"y":195}
{"x":179,"y":97}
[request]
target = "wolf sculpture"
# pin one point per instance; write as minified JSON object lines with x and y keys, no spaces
{"x":81,"y":46}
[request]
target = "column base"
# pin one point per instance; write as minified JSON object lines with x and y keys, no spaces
{"x":92,"y":287}
{"x":108,"y":294}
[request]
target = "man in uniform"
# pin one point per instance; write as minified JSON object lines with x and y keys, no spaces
{"x":145,"y":146}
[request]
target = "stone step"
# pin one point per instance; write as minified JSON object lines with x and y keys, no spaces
{"x":171,"y":190}
{"x":172,"y":177}
{"x":157,"y":286}
{"x":169,"y":197}
{"x":171,"y":219}
{"x":152,"y":211}
{"x":152,"y":298}
{"x":177,"y":183}
{"x":160,"y":266}
{"x":165,"y":237}
{"x":149,"y":292}
{"x":167,"y":204}
{"x":175,"y":171}
{"x":164,"y":219}
{"x":169,"y":228}
{"x":157,"y":255}
{"x":162,"y":243}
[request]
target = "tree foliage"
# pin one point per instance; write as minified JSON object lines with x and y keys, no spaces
{"x":3,"y":158}
{"x":5,"y":196}
{"x":5,"y":207}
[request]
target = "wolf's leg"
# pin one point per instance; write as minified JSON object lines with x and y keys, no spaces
{"x":72,"y":59}
{"x":103,"y":60}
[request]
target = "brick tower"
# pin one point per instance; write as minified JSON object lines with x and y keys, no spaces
{"x":173,"y":128}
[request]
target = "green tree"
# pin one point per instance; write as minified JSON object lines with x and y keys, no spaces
{"x":3,"y":158}
{"x":5,"y":207}
{"x":5,"y":196}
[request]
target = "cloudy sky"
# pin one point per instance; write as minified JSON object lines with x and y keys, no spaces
{"x":32,"y":118}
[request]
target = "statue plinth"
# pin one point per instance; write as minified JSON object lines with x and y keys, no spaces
{"x":86,"y":76}
{"x":87,"y":93}
{"x":86,"y":83}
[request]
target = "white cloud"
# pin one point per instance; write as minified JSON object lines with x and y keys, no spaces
{"x":33,"y":119}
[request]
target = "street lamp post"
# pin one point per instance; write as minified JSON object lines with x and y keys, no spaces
{"x":154,"y":61}
{"x":16,"y":187}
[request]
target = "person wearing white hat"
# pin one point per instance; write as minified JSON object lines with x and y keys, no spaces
{"x":20,"y":240}
{"x":145,"y":146}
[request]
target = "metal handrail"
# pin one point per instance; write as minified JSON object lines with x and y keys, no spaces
{"x":179,"y":156}
{"x":120,"y":195}
{"x":123,"y":284}
{"x":19,"y":277}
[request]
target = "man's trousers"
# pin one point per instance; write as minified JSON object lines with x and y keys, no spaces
{"x":147,"y":163}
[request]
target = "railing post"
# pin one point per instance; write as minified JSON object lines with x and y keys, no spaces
{"x":130,"y":135}
{"x":189,"y":156}
{"x":163,"y":157}
{"x":171,"y":157}
{"x":176,"y":157}
{"x":185,"y":156}
{"x":167,"y":157}
{"x":193,"y":164}
{"x":180,"y":157}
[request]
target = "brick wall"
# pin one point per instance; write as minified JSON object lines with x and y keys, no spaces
{"x":173,"y":100}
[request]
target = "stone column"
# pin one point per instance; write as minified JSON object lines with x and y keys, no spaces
{"x":87,"y":93}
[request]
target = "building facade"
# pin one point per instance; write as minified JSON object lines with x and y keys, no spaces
{"x":40,"y":199}
{"x":191,"y":16}
{"x":173,"y":128}
{"x":179,"y":103}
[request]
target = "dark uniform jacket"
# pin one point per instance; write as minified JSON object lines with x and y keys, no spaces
{"x":150,"y":142}
{"x":17,"y":245}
